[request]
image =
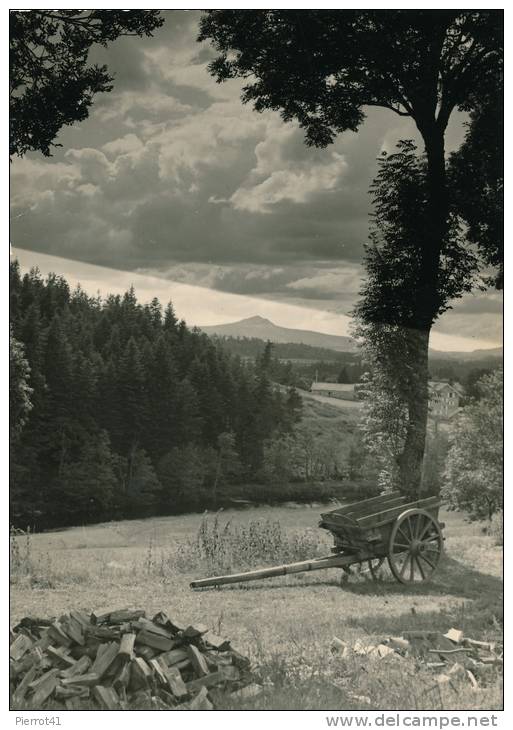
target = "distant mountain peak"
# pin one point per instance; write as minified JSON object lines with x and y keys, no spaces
{"x":256,"y":320}
{"x":263,"y":329}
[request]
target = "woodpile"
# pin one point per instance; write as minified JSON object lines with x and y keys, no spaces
{"x":121,"y":660}
{"x":451,"y":655}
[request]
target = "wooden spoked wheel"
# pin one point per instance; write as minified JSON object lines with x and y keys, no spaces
{"x":415,"y":547}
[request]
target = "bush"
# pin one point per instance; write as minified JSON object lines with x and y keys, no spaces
{"x":224,"y":548}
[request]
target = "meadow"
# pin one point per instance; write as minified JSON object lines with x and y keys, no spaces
{"x":286,"y":625}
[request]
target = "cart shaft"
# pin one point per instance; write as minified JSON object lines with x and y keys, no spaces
{"x":331,"y":561}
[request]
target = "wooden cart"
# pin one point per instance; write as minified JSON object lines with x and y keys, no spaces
{"x":390,"y":528}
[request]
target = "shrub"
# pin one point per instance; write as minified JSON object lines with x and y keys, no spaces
{"x":221,"y":548}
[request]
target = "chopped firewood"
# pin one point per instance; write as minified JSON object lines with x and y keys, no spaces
{"x":44,"y":641}
{"x":140,"y":675}
{"x":201,"y":701}
{"x":20,"y":646}
{"x":144,"y":624}
{"x":197,"y":660}
{"x":122,"y":678}
{"x":81,"y":618}
{"x":174,"y":656}
{"x":175,"y":683}
{"x":106,"y":697}
{"x":166,"y":696}
{"x":158,"y":670}
{"x":158,"y":704}
{"x":88,"y":680}
{"x":104,"y":633}
{"x":192,"y":631}
{"x":74,"y":629}
{"x":239,"y":660}
{"x":148,"y":638}
{"x":398,"y":642}
{"x":105,"y":658}
{"x":454,"y":635}
{"x":61,"y":693}
{"x":209,"y":680}
{"x":125,"y":615}
{"x":73,"y":703}
{"x":218,"y":642}
{"x":60,"y":656}
{"x":384,"y":650}
{"x":162,"y":619}
{"x":338,"y":646}
{"x":126,"y":647}
{"x":23,"y":686}
{"x":58,"y":636}
{"x":81,"y":666}
{"x":146,"y":652}
{"x":43,"y":688}
{"x":121,"y":659}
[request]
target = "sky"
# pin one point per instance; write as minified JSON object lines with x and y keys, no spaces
{"x":173,"y":185}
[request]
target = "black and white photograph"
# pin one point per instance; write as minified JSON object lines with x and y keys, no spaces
{"x":256,"y":364}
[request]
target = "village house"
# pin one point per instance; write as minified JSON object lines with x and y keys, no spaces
{"x":444,"y":399}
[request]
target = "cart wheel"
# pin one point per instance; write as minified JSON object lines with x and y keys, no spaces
{"x":415,"y":546}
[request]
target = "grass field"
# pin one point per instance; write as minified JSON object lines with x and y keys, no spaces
{"x":285,"y":624}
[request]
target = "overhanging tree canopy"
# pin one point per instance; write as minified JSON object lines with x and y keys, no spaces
{"x":51,"y":83}
{"x":323,"y":67}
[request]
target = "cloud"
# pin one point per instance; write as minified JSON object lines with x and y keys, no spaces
{"x":171,"y":174}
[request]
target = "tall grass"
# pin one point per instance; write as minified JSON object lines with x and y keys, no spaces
{"x":226,"y":547}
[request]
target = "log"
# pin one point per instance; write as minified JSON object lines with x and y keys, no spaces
{"x":155,"y":641}
{"x":218,"y":642}
{"x":105,"y":658}
{"x":126,"y":647}
{"x":197,"y":660}
{"x":81,"y":666}
{"x":23,"y":686}
{"x":19,"y":647}
{"x":88,"y":680}
{"x":175,"y":683}
{"x":106,"y":697}
{"x":201,"y":701}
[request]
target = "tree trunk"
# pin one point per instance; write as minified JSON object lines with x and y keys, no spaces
{"x":427,"y":305}
{"x":411,"y":458}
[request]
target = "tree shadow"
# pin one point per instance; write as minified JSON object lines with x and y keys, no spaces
{"x":453,"y":578}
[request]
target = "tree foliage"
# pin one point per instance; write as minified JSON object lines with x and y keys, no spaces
{"x":474,"y":468}
{"x":19,"y":389}
{"x":393,"y":325}
{"x":132,"y":413}
{"x":51,"y":82}
{"x":321,"y":68}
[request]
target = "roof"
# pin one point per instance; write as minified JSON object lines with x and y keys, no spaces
{"x":439,"y":385}
{"x":341,"y":387}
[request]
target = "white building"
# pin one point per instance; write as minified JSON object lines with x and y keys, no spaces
{"x":344,"y":391}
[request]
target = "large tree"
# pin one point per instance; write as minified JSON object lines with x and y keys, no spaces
{"x":51,"y":82}
{"x":323,"y":67}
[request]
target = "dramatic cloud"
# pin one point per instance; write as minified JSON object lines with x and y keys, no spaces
{"x":172,"y":175}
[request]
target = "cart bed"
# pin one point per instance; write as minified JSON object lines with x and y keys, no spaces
{"x":360,"y":524}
